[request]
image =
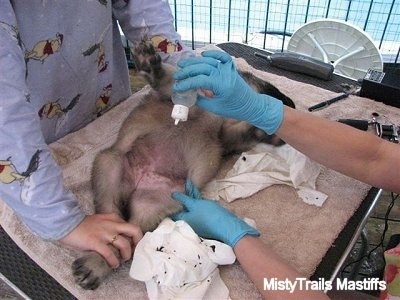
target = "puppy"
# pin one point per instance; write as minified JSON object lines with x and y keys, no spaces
{"x":152,"y":157}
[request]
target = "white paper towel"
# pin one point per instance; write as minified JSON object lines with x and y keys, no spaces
{"x":175,"y":263}
{"x":264,"y":166}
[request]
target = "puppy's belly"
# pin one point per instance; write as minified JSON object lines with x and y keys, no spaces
{"x":157,"y":165}
{"x":149,"y":180}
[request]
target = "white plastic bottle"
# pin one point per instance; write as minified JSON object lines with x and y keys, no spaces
{"x":182,"y":101}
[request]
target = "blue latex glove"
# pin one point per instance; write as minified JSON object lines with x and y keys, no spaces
{"x":209,"y":219}
{"x":233,"y":97}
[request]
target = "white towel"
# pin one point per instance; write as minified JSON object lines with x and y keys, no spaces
{"x":175,"y":263}
{"x":264,"y":166}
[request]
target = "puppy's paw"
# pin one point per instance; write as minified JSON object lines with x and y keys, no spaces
{"x":147,"y":60}
{"x":149,"y":64}
{"x":90,"y":270}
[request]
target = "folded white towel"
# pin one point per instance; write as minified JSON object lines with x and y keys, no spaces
{"x":264,"y":166}
{"x":175,"y":263}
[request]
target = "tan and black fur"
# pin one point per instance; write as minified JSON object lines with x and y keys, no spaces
{"x":152,"y":157}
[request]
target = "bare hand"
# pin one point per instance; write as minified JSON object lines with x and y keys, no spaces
{"x":97,"y":232}
{"x":207,"y":93}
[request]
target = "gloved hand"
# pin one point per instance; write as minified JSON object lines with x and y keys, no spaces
{"x":233,"y":97}
{"x":209,"y":219}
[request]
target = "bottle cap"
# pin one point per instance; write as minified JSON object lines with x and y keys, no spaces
{"x":179,"y":113}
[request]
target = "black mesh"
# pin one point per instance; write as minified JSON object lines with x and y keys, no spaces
{"x":23,"y":272}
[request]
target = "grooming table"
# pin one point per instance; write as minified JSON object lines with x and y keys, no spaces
{"x":280,"y":215}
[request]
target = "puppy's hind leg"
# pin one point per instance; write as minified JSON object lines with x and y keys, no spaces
{"x":149,"y":207}
{"x":203,"y":165}
{"x":91,"y":269}
{"x":110,"y":191}
{"x":110,"y":182}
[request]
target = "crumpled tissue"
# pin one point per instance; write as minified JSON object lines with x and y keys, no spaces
{"x":175,"y":263}
{"x":263,"y":166}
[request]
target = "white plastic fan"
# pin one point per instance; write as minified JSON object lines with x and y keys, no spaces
{"x":349,"y":49}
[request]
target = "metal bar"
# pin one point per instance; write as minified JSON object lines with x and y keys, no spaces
{"x":211,"y":8}
{"x":355,"y":237}
{"x":362,"y":253}
{"x":229,"y":19}
{"x":14,"y":287}
{"x":307,"y":10}
{"x":286,"y":20}
{"x":176,"y":16}
{"x":368,"y":14}
{"x":327,"y":9}
{"x":192,"y":25}
{"x":247,"y":21}
{"x":348,"y":11}
{"x":386,"y":25}
{"x":266,"y":25}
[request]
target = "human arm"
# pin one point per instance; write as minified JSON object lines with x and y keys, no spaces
{"x":96,"y":232}
{"x":209,"y":219}
{"x":34,"y":187}
{"x":261,"y":263}
{"x":347,"y":150}
{"x":31,"y":182}
{"x":352,"y":152}
{"x":152,"y":21}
